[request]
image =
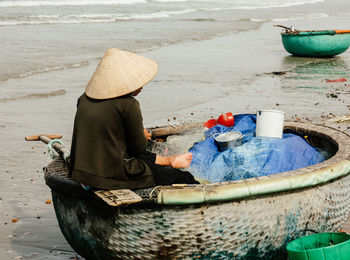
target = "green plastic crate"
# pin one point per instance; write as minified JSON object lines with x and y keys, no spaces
{"x":321,"y":246}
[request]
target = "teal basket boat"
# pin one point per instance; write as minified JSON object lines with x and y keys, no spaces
{"x":316,"y":43}
{"x":246,"y":219}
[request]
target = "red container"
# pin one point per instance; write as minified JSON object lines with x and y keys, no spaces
{"x":210,"y":123}
{"x":226,"y":119}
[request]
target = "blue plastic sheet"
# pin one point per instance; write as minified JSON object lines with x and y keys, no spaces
{"x":258,"y":156}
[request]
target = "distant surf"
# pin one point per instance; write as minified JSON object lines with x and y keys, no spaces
{"x":238,"y":4}
{"x":293,"y":18}
{"x":69,"y":2}
{"x":43,"y":70}
{"x":35,"y":95}
{"x":87,"y":18}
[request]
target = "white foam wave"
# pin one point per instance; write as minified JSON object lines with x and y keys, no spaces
{"x":88,"y":18}
{"x":310,"y":16}
{"x":167,"y":1}
{"x":256,"y":4}
{"x":58,"y":92}
{"x":258,"y":20}
{"x":162,"y":14}
{"x":234,"y":4}
{"x":45,"y":69}
{"x":68,"y":2}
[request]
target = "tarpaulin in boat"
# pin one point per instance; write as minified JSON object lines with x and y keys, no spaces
{"x":258,"y":156}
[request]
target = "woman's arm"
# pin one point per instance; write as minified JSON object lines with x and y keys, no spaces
{"x":175,"y":161}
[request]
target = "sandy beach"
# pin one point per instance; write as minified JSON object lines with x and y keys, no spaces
{"x":197,"y":80}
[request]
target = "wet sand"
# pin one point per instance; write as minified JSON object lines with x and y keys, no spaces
{"x":243,"y":65}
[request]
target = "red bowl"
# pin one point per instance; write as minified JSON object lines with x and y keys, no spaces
{"x":210,"y":123}
{"x":226,"y":119}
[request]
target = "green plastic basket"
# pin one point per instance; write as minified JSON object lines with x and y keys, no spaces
{"x":321,"y":246}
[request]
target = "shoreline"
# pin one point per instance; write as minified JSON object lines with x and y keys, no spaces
{"x":300,"y":90}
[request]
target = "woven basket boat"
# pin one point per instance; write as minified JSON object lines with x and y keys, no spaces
{"x":247,"y":219}
{"x":323,"y":43}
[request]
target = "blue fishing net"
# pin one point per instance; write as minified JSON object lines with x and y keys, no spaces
{"x":258,"y":156}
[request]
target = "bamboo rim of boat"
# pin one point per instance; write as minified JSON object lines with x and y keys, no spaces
{"x":315,"y":32}
{"x":335,"y":167}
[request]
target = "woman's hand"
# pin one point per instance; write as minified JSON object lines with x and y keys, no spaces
{"x":180,"y":160}
{"x":175,"y":161}
{"x":147,"y":134}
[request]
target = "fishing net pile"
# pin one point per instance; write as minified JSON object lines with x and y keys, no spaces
{"x":257,"y":156}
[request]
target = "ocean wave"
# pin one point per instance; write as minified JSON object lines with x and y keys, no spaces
{"x":227,"y":4}
{"x":58,"y":92}
{"x":161,"y":14}
{"x":259,"y":20}
{"x":252,"y":5}
{"x":43,"y":70}
{"x":309,"y":16}
{"x":88,"y":18}
{"x":222,"y":20}
{"x":211,"y":20}
{"x":293,"y":18}
{"x":169,"y":1}
{"x":69,"y":3}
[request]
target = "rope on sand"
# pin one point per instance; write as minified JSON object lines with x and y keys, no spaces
{"x":51,"y":150}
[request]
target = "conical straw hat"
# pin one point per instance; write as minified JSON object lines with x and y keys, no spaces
{"x":120,"y":73}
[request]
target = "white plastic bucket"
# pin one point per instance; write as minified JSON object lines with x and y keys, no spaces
{"x":269,"y":123}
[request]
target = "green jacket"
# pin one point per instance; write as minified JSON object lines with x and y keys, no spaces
{"x":106,"y":135}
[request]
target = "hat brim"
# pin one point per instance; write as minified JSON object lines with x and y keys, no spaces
{"x":119,"y":73}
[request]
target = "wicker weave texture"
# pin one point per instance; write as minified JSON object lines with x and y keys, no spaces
{"x":257,"y":227}
{"x":251,"y":228}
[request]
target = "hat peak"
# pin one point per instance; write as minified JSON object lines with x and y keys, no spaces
{"x":119,"y":73}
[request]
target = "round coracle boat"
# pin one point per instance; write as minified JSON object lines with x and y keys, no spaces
{"x":316,"y":43}
{"x":247,"y":219}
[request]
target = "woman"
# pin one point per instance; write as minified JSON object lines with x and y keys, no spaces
{"x":109,"y":142}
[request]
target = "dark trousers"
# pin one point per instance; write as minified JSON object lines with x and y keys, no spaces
{"x":166,"y":175}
